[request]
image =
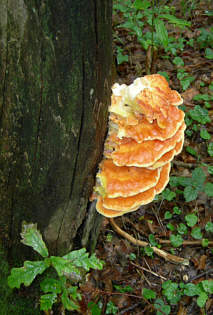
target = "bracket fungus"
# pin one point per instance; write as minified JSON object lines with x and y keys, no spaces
{"x":146,"y":131}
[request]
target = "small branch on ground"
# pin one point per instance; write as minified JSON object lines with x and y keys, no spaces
{"x":159,"y":252}
{"x":194,"y":243}
{"x":150,"y":271}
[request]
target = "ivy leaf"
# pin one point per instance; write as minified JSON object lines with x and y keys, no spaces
{"x":32,"y":237}
{"x":200,"y":115}
{"x":27,"y":273}
{"x":168,"y":194}
{"x":148,"y":294}
{"x":204,"y":134}
{"x":51,"y":285}
{"x":191,"y":219}
{"x":176,"y":240}
{"x":178,"y":61}
{"x":141,"y":4}
{"x":196,"y":233}
{"x":209,"y":53}
{"x":208,"y":286}
{"x":190,"y":289}
{"x":209,"y":189}
{"x":198,"y":178}
{"x":190,"y":193}
{"x":47,"y":301}
{"x":209,"y":227}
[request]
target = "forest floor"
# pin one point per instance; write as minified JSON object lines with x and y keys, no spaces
{"x":134,"y":279}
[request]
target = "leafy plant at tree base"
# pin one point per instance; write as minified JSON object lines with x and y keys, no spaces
{"x":70,"y":269}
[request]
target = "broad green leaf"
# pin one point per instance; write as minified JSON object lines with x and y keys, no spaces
{"x":210,"y":169}
{"x":167,"y":215}
{"x":201,"y":300}
{"x":148,"y":294}
{"x":185,"y":82}
{"x":182,"y":228}
{"x":73,"y":291}
{"x":125,"y":289}
{"x":160,"y":306}
{"x":209,"y":189}
{"x":203,"y":97}
{"x":148,"y":251}
{"x":26,"y":274}
{"x":205,"y":242}
{"x":209,"y":227}
{"x":176,"y":240}
{"x":51,"y":285}
{"x":175,"y":181}
{"x":80,"y":258}
{"x":200,"y":114}
{"x":32,"y":237}
{"x":208,"y":286}
{"x":196,"y":233}
{"x":204,"y":134}
{"x":152,"y":240}
{"x":164,"y":74}
{"x":168,"y":194}
{"x":171,"y":227}
{"x":161,"y":31}
{"x":209,"y":53}
{"x":191,"y":219}
{"x":190,"y":193}
{"x":171,"y":291}
{"x":198,"y":178}
{"x":178,"y":61}
{"x":120,"y":57}
{"x":65,"y":267}
{"x":142,"y":4}
{"x":47,"y":301}
{"x":190,"y":289}
{"x":172,"y":19}
{"x":68,"y":304}
{"x":210,"y":149}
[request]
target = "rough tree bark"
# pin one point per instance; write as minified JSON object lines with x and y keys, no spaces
{"x":55,"y":65}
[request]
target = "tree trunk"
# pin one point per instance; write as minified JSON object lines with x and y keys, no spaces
{"x":55,"y":78}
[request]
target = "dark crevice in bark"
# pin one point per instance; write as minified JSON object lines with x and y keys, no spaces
{"x":5,"y":76}
{"x":95,"y":23}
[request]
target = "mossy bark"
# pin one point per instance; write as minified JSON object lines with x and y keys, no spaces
{"x":55,"y":64}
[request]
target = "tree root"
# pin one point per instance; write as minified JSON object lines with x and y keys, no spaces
{"x":159,"y":252}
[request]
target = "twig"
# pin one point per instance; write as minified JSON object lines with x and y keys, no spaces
{"x":159,"y":252}
{"x":200,"y":275}
{"x":130,"y":308}
{"x":195,"y":243}
{"x":150,"y":271}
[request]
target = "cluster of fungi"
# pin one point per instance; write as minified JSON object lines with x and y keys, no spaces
{"x":146,"y":131}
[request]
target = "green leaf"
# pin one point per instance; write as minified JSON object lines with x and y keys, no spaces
{"x":141,"y":4}
{"x":152,"y":240}
{"x":164,"y":74}
{"x":176,"y":240}
{"x":95,"y":310}
{"x":172,"y":19}
{"x":201,"y":300}
{"x":47,"y":301}
{"x":196,"y":233}
{"x":208,"y":286}
{"x":191,"y":219}
{"x":26,"y":274}
{"x":170,"y":226}
{"x":148,"y":251}
{"x":148,"y":294}
{"x":51,"y":285}
{"x":210,"y":169}
{"x":132,"y":256}
{"x":80,"y":258}
{"x":111,"y":308}
{"x":185,"y":82}
{"x":176,"y":210}
{"x":198,"y":178}
{"x":68,"y":304}
{"x":161,"y":32}
{"x":209,"y":227}
{"x":121,"y":58}
{"x":191,"y":151}
{"x":160,"y":306}
{"x":204,"y":134}
{"x":190,"y":193}
{"x":200,"y":114}
{"x":178,"y":61}
{"x":66,"y":268}
{"x":205,"y":242}
{"x":32,"y":237}
{"x":209,"y":53}
{"x":167,"y":215}
{"x":210,"y":149}
{"x":190,"y":289}
{"x":209,"y":189}
{"x":203,"y":97}
{"x":182,"y":229}
{"x":168,"y":194}
{"x":125,"y":289}
{"x":171,"y":291}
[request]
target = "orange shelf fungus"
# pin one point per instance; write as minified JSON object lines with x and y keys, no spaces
{"x":146,"y":131}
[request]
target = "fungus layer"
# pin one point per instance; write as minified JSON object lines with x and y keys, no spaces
{"x":146,"y":131}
